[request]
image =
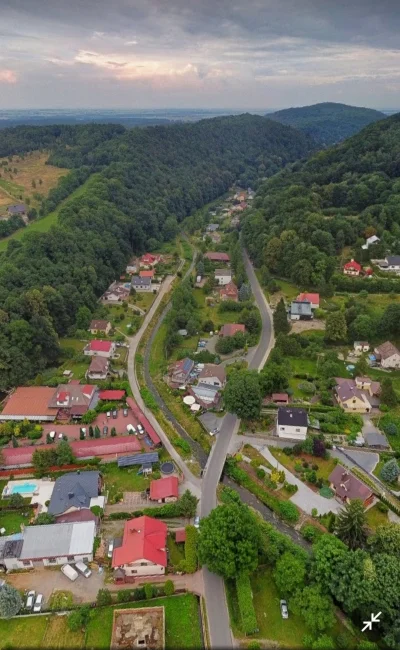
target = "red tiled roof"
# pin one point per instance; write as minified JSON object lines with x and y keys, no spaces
{"x":164,"y":488}
{"x":147,"y":274}
{"x":229,"y":329}
{"x":100,"y":346}
{"x":29,"y":400}
{"x":180,"y":535}
{"x":310,"y":297}
{"x":112,"y":394}
{"x":280,"y":397}
{"x":353,"y":265}
{"x":143,"y":420}
{"x":144,"y":538}
{"x":217,"y":257}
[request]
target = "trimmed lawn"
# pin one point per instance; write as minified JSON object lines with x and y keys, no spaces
{"x":58,"y":635}
{"x":325,"y":467}
{"x":144,"y":300}
{"x":23,"y":632}
{"x":122,"y":480}
{"x":176,"y":551}
{"x":12,"y":520}
{"x":254,"y":454}
{"x":182,"y":625}
{"x":376,"y":518}
{"x":303,"y":366}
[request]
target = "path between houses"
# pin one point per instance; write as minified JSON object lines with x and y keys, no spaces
{"x":305,"y":497}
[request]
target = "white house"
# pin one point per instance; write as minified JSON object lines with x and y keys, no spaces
{"x":48,"y":545}
{"x":292,"y":423}
{"x":223,"y":276}
{"x":369,"y":241}
{"x":388,"y":355}
{"x":391,"y":263}
{"x":213,"y":375}
{"x":100,"y":348}
{"x":141,"y":283}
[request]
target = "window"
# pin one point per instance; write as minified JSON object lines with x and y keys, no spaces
{"x":70,"y":558}
{"x":85,"y":559}
{"x":52,"y":560}
{"x":143,"y":564}
{"x":26,"y":562}
{"x":282,"y":428}
{"x":297,"y":430}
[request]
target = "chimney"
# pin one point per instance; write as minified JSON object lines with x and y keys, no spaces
{"x":70,"y":495}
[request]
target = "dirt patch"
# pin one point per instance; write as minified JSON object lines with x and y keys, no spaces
{"x":299,"y":326}
{"x":135,"y":628}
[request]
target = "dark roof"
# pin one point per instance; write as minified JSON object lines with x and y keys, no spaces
{"x":138,"y":281}
{"x":301,"y":308}
{"x":375,"y":439}
{"x":393,"y":260}
{"x":347,"y":485}
{"x":139,"y":459}
{"x":20,"y":208}
{"x":292,"y":417}
{"x":74,"y":490}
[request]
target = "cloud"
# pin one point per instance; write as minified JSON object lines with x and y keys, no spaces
{"x":8,"y":77}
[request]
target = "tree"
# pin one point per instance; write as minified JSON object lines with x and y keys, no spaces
{"x":42,"y":460}
{"x":44,"y":518}
{"x":242,"y":394}
{"x":91,"y":432}
{"x":388,"y":395}
{"x":336,"y":328}
{"x":104,"y":598}
{"x":16,"y":500}
{"x":351,"y":524}
{"x":10,"y":601}
{"x":329,"y":553}
{"x":113,"y":432}
{"x":391,"y":429}
{"x":65,"y":455}
{"x":289,"y":574}
{"x":169,"y":588}
{"x":148,"y":590}
{"x":386,"y":540}
{"x":188,"y":504}
{"x":281,"y":323}
{"x":79,"y":619}
{"x":315,"y":607}
{"x":96,"y":432}
{"x":83,"y":318}
{"x":244,"y":292}
{"x":390,"y":471}
{"x":362,"y":367}
{"x":229,"y":541}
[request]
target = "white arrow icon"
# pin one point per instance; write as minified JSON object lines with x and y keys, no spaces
{"x":374,"y":619}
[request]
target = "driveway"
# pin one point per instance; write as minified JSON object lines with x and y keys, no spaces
{"x":46,"y":581}
{"x":365,"y":459}
{"x":305,"y":497}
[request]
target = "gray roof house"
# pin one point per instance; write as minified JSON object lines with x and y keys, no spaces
{"x":49,"y":545}
{"x":140,"y":284}
{"x":19,"y":208}
{"x":74,"y":491}
{"x":376,"y":440}
{"x":301,"y":310}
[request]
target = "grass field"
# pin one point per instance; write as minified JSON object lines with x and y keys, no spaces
{"x":123,"y":480}
{"x":23,"y":632}
{"x":12,"y":520}
{"x":176,"y":551}
{"x":58,"y":634}
{"x":376,"y":518}
{"x":325,"y":467}
{"x":32,"y":168}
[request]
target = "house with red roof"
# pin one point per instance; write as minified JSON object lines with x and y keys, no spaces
{"x":100,"y":348}
{"x":148,"y":260}
{"x":149,"y":273}
{"x":143,"y":551}
{"x":230,"y":329}
{"x":111,"y":395}
{"x":217,"y":257}
{"x":352,"y":268}
{"x":229,"y":292}
{"x":164,"y":490}
{"x":29,"y":403}
{"x":312,"y":298}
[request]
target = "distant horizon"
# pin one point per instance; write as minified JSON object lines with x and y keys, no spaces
{"x":190,"y":108}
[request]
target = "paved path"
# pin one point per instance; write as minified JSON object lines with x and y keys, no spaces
{"x":305,"y":497}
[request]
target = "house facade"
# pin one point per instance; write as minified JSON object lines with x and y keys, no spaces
{"x":143,"y":551}
{"x":100,"y":348}
{"x":179,"y":372}
{"x":370,"y":241}
{"x":292,"y":423}
{"x":391,"y":264}
{"x":229,"y":292}
{"x":347,"y":487}
{"x":301,"y":310}
{"x":165,"y":490}
{"x":388,"y":355}
{"x":76,"y":491}
{"x":230,"y":329}
{"x":359,"y":395}
{"x":360,"y":347}
{"x":98,"y":369}
{"x":312,"y":298}
{"x":100,"y":327}
{"x":213,"y":375}
{"x":223,"y":276}
{"x":352,"y":268}
{"x":141,"y":284}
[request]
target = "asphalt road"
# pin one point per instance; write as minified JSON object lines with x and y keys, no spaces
{"x":217,"y":609}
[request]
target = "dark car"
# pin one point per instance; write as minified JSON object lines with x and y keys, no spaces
{"x":105,"y":430}
{"x":115,"y":414}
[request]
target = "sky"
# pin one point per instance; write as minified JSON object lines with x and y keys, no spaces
{"x":239,"y":54}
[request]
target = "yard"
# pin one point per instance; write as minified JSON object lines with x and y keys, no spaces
{"x":11,"y":520}
{"x":118,"y":480}
{"x":120,"y":318}
{"x":376,"y":518}
{"x":181,"y":622}
{"x":325,"y":467}
{"x":382,"y":421}
{"x":176,"y":551}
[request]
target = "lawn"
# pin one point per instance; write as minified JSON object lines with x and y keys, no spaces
{"x":118,"y":480}
{"x":31,"y":168}
{"x":182,"y":625}
{"x":58,"y":635}
{"x":254,"y":454}
{"x":144,"y":300}
{"x":303,"y":366}
{"x":393,"y":417}
{"x":129,"y":318}
{"x":176,"y":551}
{"x":23,"y":632}
{"x":12,"y":520}
{"x":325,"y":467}
{"x":376,"y":518}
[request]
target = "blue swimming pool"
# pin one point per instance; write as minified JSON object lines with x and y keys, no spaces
{"x":25,"y":488}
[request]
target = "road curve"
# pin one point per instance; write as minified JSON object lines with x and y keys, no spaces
{"x":217,"y":609}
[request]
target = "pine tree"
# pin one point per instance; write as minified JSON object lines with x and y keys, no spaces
{"x":388,"y":394}
{"x":351,"y":524}
{"x":281,"y":323}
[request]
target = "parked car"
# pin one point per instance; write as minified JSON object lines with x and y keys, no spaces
{"x":131,"y":429}
{"x":70,"y":572}
{"x":115,"y":414}
{"x":140,"y":428}
{"x":108,"y":414}
{"x":197,"y":521}
{"x":83,"y":569}
{"x":284,"y":609}
{"x":125,"y":413}
{"x":110,"y":549}
{"x":38,"y":604}
{"x":105,"y":430}
{"x":30,"y":599}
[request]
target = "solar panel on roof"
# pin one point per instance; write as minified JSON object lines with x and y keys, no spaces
{"x":138,"y":459}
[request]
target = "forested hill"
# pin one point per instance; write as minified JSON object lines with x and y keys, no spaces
{"x":304,"y":216}
{"x":328,"y":123}
{"x":141,"y":184}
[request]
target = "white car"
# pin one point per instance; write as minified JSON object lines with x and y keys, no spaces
{"x":140,"y":428}
{"x":38,"y":603}
{"x":30,"y":599}
{"x":284,"y":609}
{"x":197,"y":521}
{"x":110,"y":549}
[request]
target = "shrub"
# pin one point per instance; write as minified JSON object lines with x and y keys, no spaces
{"x":382,"y":507}
{"x":169,"y":588}
{"x":245,"y":602}
{"x":288,"y":511}
{"x":314,"y":512}
{"x":390,"y":429}
{"x":260,"y":473}
{"x":191,"y":560}
{"x":310,"y":533}
{"x":148,"y":590}
{"x":139,"y":593}
{"x":390,"y":471}
{"x":124,"y":595}
{"x":104,"y":598}
{"x":291,"y":488}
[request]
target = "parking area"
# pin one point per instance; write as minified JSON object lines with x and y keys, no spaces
{"x":72,"y":431}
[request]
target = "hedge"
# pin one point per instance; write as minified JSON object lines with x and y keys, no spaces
{"x":290,"y":513}
{"x":245,"y":602}
{"x":167,"y":510}
{"x":191,"y":560}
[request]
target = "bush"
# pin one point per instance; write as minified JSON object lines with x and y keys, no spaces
{"x":103,"y":598}
{"x":245,"y":602}
{"x":310,"y":533}
{"x":390,"y":429}
{"x":148,"y":590}
{"x":169,"y":588}
{"x":382,"y":507}
{"x":291,"y":488}
{"x":139,"y":593}
{"x":288,"y":511}
{"x":124,"y":595}
{"x":191,"y":559}
{"x":260,"y":473}
{"x":314,"y":512}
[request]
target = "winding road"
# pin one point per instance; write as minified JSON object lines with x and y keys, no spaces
{"x":214,"y":589}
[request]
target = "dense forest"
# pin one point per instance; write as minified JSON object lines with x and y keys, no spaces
{"x":305,"y":215}
{"x":138,"y":186}
{"x":328,"y":123}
